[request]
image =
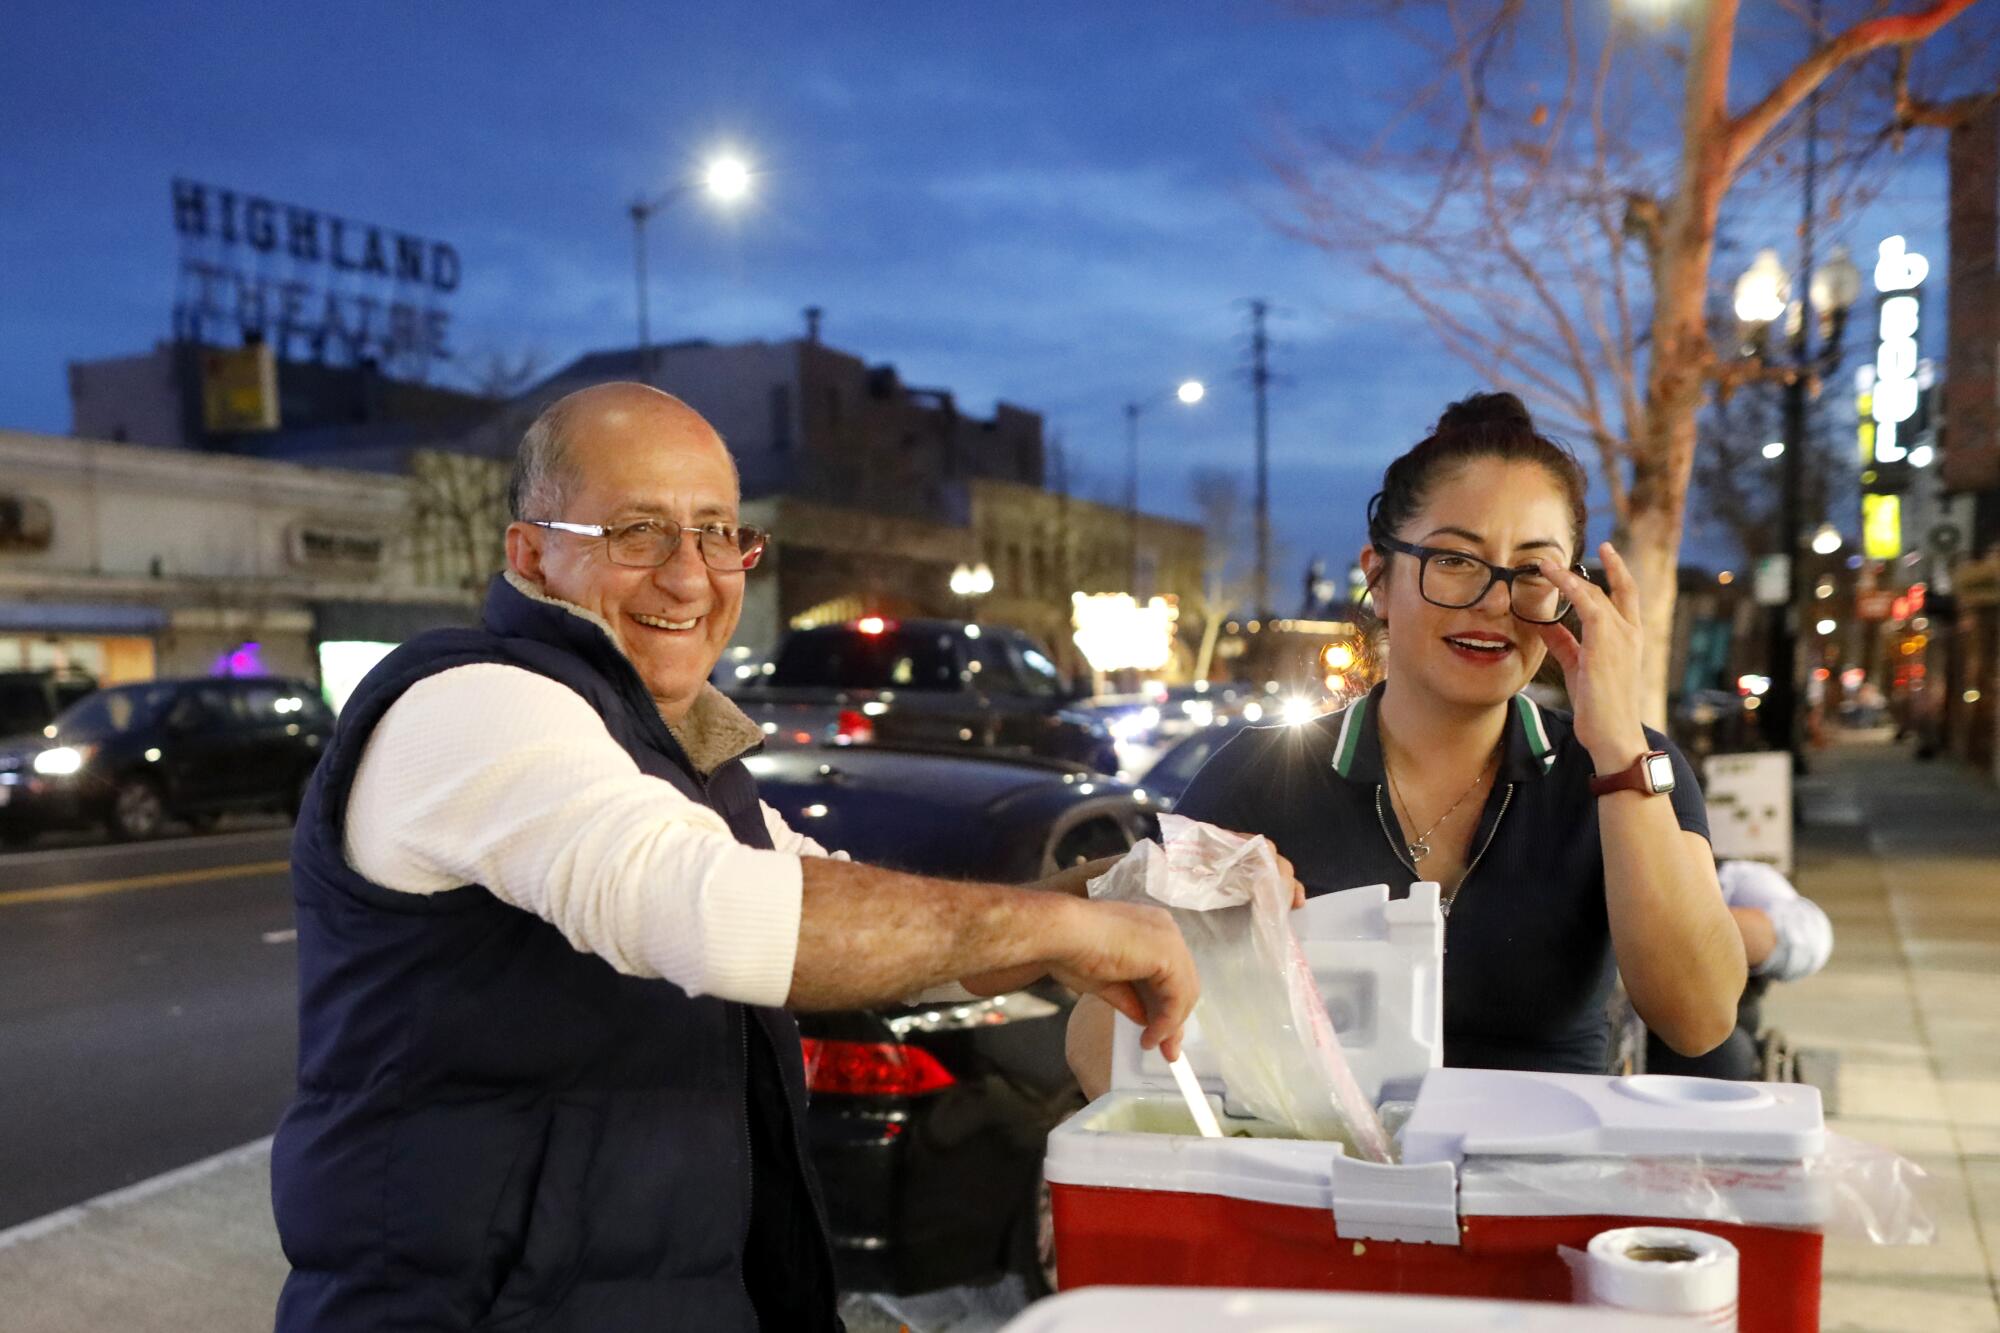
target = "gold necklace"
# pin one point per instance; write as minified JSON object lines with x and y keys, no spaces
{"x":1421,"y":848}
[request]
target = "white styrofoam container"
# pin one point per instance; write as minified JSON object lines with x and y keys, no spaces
{"x":1479,"y":1141}
{"x":1219,"y":1310}
{"x":1379,"y":965}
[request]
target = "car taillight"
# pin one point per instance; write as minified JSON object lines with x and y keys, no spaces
{"x":853,"y":728}
{"x":872,"y":1069}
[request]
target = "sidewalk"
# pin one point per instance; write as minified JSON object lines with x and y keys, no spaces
{"x":1904,"y":856}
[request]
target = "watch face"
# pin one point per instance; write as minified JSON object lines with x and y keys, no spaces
{"x":1660,"y":773}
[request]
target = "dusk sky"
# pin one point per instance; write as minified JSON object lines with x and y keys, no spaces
{"x":1057,"y":205}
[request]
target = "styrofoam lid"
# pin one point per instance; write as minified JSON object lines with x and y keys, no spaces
{"x":1378,"y":962}
{"x":1221,"y":1310}
{"x":1464,"y":1113}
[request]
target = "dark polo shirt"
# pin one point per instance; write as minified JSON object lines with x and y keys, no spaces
{"x":1528,"y":963}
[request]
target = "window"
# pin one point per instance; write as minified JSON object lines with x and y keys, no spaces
{"x":781,"y":418}
{"x":840,"y":657}
{"x":113,"y":712}
{"x":1039,"y":676}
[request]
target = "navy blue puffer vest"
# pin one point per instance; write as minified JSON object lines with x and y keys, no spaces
{"x":496,"y":1131}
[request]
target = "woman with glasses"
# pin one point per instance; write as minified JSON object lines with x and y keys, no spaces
{"x":1567,"y":847}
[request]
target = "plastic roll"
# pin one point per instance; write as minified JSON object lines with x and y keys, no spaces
{"x":1661,"y":1270}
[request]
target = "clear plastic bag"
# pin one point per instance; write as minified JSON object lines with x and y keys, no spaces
{"x":1851,"y":1191}
{"x":1260,"y":1011}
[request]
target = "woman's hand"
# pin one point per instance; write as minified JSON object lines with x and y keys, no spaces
{"x":1602,"y":671}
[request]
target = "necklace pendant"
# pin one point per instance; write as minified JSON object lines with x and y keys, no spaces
{"x":1419,"y":850}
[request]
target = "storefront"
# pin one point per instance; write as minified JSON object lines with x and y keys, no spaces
{"x":130,"y":563}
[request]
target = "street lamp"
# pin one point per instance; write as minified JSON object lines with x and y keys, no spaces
{"x":726,"y":179}
{"x":1762,"y":299}
{"x":1188,"y":393}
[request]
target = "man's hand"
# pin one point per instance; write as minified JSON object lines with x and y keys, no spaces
{"x":1133,"y":958}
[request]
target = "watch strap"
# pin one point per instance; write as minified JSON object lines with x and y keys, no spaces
{"x":1636,"y":776}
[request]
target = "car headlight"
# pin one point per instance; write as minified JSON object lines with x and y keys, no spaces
{"x":62,"y":760}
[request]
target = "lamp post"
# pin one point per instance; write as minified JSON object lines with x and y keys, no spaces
{"x":1188,"y":393}
{"x":1762,"y":298}
{"x":726,"y":179}
{"x":971,"y":582}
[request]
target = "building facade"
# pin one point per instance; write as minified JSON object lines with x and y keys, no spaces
{"x":132,"y":562}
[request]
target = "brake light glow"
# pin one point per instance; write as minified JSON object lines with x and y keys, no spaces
{"x":874,"y":625}
{"x":872,"y":1069}
{"x":853,"y":728}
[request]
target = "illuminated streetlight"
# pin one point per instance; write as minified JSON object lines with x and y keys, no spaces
{"x":1764,"y":290}
{"x":1826,"y":627}
{"x":1191,"y":391}
{"x":1775,"y":449}
{"x":1827,"y":540}
{"x":726,"y":179}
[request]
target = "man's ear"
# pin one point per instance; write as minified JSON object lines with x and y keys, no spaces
{"x":524,"y":551}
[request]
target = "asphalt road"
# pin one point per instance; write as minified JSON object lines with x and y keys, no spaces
{"x":146,"y":1010}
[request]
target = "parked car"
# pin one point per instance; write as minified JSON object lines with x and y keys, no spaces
{"x":1169,"y":777}
{"x":133,"y":756}
{"x":30,"y":700}
{"x":928,"y":1119}
{"x":948,"y":683}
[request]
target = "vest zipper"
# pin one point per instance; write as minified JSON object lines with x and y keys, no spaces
{"x":749,"y":1171}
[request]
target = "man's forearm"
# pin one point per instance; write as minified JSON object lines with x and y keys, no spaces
{"x":869,"y":936}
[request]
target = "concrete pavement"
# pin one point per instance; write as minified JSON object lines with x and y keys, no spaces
{"x":1904,"y":856}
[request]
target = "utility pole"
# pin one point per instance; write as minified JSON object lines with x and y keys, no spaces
{"x":1783,"y":722}
{"x":641,"y":210}
{"x":1132,"y":499}
{"x":1260,"y":383}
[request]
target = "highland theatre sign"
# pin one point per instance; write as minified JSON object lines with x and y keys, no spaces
{"x":312,"y":284}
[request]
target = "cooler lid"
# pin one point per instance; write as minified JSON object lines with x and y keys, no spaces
{"x":1464,"y":1113}
{"x":1379,"y":966}
{"x":1219,"y":1310}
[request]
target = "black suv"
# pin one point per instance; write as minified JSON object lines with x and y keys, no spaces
{"x":932,"y":683}
{"x":132,"y":756}
{"x":30,"y":700}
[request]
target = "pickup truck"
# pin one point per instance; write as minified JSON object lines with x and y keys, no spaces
{"x":934,"y":684}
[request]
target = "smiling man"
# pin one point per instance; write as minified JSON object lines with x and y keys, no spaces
{"x":548,"y":934}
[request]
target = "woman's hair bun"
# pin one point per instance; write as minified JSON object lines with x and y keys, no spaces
{"x":1485,"y":410}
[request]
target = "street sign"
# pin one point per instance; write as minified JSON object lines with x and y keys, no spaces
{"x":1773,"y":580}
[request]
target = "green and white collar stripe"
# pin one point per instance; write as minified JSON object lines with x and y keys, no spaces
{"x":1348,"y":743}
{"x":1352,"y":737}
{"x":1532,"y":728}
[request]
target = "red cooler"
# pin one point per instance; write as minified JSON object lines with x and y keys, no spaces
{"x":1499,"y":1169}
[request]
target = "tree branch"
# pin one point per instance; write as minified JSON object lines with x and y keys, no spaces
{"x":1912,"y":112}
{"x":1746,"y":131}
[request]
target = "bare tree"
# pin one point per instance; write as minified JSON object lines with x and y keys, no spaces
{"x":1225,"y":581}
{"x":458,"y":499}
{"x":1527,"y":202}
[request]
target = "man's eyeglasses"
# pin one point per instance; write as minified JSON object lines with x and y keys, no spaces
{"x":1455,"y":579}
{"x":648,"y":543}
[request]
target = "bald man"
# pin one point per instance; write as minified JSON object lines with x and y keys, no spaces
{"x":548,"y":935}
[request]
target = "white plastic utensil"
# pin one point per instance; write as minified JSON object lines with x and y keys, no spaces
{"x":1196,"y":1099}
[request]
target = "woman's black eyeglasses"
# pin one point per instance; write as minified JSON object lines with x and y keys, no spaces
{"x":1456,"y":579}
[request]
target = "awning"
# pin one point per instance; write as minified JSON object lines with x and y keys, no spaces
{"x":80,"y":618}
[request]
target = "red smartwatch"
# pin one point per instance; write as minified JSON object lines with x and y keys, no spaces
{"x":1651,"y":774}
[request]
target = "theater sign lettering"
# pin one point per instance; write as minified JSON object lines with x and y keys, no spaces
{"x":314,"y":285}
